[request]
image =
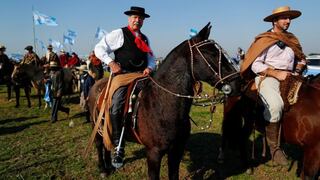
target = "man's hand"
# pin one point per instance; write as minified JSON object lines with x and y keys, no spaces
{"x":147,"y":71}
{"x":281,"y":75}
{"x":115,"y":67}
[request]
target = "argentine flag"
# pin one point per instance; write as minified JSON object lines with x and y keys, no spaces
{"x":68,"y":40}
{"x":100,"y":33}
{"x":40,"y":19}
{"x":71,"y":33}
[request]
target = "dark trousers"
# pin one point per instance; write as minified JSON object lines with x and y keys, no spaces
{"x":116,"y":113}
{"x":57,"y":106}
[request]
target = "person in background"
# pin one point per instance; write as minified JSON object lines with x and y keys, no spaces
{"x":63,"y":58}
{"x":73,"y":60}
{"x":273,"y":57}
{"x":51,"y":56}
{"x":56,"y":75}
{"x":30,"y":57}
{"x":132,"y":54}
{"x":95,"y":65}
{"x":5,"y":76}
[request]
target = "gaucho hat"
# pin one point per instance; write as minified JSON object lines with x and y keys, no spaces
{"x":282,"y":11}
{"x":134,"y":10}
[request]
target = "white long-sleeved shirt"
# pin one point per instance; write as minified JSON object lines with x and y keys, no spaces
{"x":274,"y":57}
{"x":113,"y":41}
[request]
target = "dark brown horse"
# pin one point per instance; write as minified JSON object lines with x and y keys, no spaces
{"x":300,"y":125}
{"x":32,"y":74}
{"x":163,"y":124}
{"x":6,"y":69}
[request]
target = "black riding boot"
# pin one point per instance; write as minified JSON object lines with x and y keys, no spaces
{"x":118,"y":155}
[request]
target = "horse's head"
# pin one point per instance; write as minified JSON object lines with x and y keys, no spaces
{"x":210,"y":63}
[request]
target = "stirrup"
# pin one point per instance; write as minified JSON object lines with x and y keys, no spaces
{"x":117,"y":158}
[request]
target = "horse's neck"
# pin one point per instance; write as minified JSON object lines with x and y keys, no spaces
{"x":35,"y":73}
{"x":175,"y":76}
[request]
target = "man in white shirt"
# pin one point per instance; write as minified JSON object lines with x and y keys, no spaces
{"x":273,"y":57}
{"x":132,"y":54}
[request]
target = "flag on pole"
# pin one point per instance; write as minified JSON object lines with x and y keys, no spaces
{"x":100,"y":33}
{"x":40,"y":19}
{"x":71,"y":33}
{"x":43,"y":47}
{"x":68,"y":40}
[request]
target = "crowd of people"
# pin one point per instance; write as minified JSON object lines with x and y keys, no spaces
{"x":53,"y":66}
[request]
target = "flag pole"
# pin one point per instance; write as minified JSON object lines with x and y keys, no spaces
{"x":34,"y":32}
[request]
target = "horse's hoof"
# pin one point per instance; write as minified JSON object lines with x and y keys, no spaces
{"x":71,"y":124}
{"x":103,"y":175}
{"x":249,"y":171}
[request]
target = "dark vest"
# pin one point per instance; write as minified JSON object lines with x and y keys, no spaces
{"x":130,"y":57}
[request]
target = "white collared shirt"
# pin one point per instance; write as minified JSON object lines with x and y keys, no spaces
{"x":113,"y":41}
{"x":274,"y":57}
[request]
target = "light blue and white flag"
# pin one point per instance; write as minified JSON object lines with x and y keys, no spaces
{"x":40,"y":19}
{"x":56,"y":45}
{"x":193,"y":32}
{"x":68,"y":40}
{"x":72,"y":34}
{"x":100,"y":33}
{"x":41,"y":44}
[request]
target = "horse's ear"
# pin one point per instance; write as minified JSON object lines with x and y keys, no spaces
{"x":205,"y":32}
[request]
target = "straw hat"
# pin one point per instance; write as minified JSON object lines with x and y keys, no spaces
{"x":134,"y":10}
{"x":82,"y":68}
{"x":282,"y":11}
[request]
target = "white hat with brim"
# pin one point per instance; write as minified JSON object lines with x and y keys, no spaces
{"x":82,"y":68}
{"x":282,"y":11}
{"x":2,"y":47}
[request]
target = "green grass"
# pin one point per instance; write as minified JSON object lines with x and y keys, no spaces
{"x":33,"y":148}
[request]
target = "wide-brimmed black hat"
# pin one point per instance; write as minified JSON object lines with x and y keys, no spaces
{"x":29,"y":48}
{"x":134,"y":10}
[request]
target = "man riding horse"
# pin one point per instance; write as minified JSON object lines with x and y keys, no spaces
{"x":274,"y":56}
{"x":132,"y":54}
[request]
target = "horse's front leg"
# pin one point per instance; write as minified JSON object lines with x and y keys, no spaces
{"x":154,"y":158}
{"x":39,"y":96}
{"x":174,"y":158}
{"x":27,"y":93}
{"x":17,"y":92}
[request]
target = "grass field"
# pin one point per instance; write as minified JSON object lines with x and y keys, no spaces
{"x":33,"y":148}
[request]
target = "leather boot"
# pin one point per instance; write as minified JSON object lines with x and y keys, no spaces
{"x":272,"y":134}
{"x":118,"y":155}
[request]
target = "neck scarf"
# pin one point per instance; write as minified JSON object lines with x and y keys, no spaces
{"x":142,"y":45}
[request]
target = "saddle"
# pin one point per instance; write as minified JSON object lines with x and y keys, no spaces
{"x":135,"y":82}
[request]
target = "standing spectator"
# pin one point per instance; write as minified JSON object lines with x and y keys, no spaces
{"x":5,"y":70}
{"x":240,"y":55}
{"x":56,"y":74}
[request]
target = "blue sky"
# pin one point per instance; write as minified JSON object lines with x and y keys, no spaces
{"x":235,"y":22}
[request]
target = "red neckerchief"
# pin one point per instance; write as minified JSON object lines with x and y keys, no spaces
{"x":143,"y":46}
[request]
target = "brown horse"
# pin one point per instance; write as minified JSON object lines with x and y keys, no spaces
{"x":163,"y":124}
{"x":32,"y":74}
{"x":300,"y":125}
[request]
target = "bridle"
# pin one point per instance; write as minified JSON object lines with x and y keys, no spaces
{"x":213,"y":99}
{"x":221,"y":51}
